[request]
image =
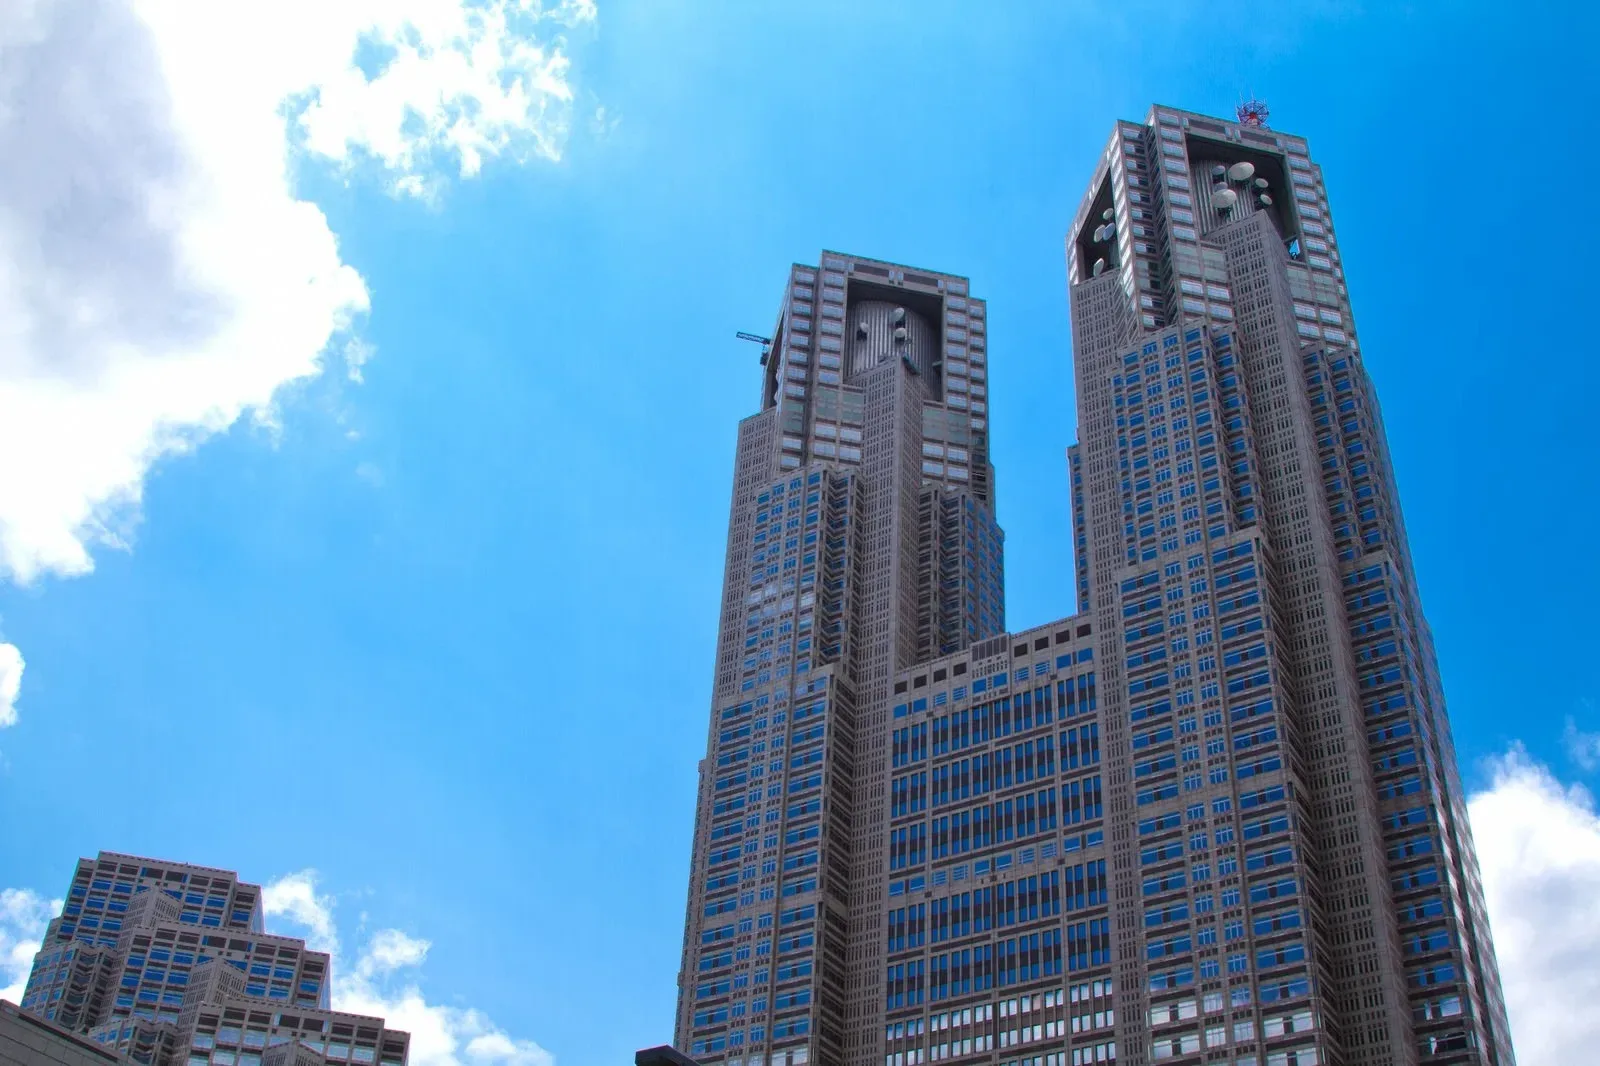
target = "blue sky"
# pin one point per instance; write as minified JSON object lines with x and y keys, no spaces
{"x":445,"y":635}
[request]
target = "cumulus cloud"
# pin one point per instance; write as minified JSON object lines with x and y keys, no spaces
{"x":1538,"y":842}
{"x":445,"y":82}
{"x":390,"y":950}
{"x":160,"y":277}
{"x":382,"y":980}
{"x":294,"y":896}
{"x":23,"y":917}
{"x":11,"y":665}
{"x":157,"y":276}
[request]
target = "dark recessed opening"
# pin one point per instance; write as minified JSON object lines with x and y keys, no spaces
{"x":1269,"y":165}
{"x":1089,"y":249}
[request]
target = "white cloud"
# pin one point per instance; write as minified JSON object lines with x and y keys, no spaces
{"x":11,"y":665}
{"x":390,"y":950}
{"x":446,"y":81}
{"x":1538,"y":843}
{"x":294,"y":897}
{"x":356,"y":355}
{"x":23,"y":917}
{"x":1582,"y":747}
{"x":381,"y":980}
{"x":160,"y":278}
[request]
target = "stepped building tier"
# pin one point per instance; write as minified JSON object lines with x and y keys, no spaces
{"x":168,"y":964}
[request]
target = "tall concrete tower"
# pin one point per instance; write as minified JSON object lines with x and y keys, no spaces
{"x":861,"y":538}
{"x":1215,"y":816}
{"x":1272,"y":706}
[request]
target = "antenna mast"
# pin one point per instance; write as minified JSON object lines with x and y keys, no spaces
{"x":1252,"y":112}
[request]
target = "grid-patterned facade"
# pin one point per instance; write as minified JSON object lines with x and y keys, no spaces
{"x":1215,"y":816}
{"x":169,"y":963}
{"x":861,"y":539}
{"x":1293,"y":876}
{"x":998,"y":925}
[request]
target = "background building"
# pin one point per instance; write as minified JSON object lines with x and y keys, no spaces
{"x":166,"y":962}
{"x":1216,"y":816}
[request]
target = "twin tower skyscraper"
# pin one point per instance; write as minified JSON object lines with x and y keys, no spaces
{"x":1213,"y":817}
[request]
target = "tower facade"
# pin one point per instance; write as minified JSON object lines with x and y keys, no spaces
{"x":167,"y":962}
{"x":1213,"y":817}
{"x":861,"y":538}
{"x":1292,"y":873}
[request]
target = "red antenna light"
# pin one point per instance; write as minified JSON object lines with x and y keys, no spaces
{"x":1252,"y":112}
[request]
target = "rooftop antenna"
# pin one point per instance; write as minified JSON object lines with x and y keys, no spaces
{"x":765,"y":342}
{"x":1252,"y":112}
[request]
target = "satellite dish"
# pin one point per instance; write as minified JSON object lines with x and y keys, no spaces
{"x":1108,"y":214}
{"x":861,"y":328}
{"x":1264,"y":200}
{"x":1224,"y":199}
{"x":1099,"y":265}
{"x":900,"y":333}
{"x":1242,"y":171}
{"x":1219,"y":171}
{"x":1105,"y":233}
{"x":1261,"y":183}
{"x":899,"y":314}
